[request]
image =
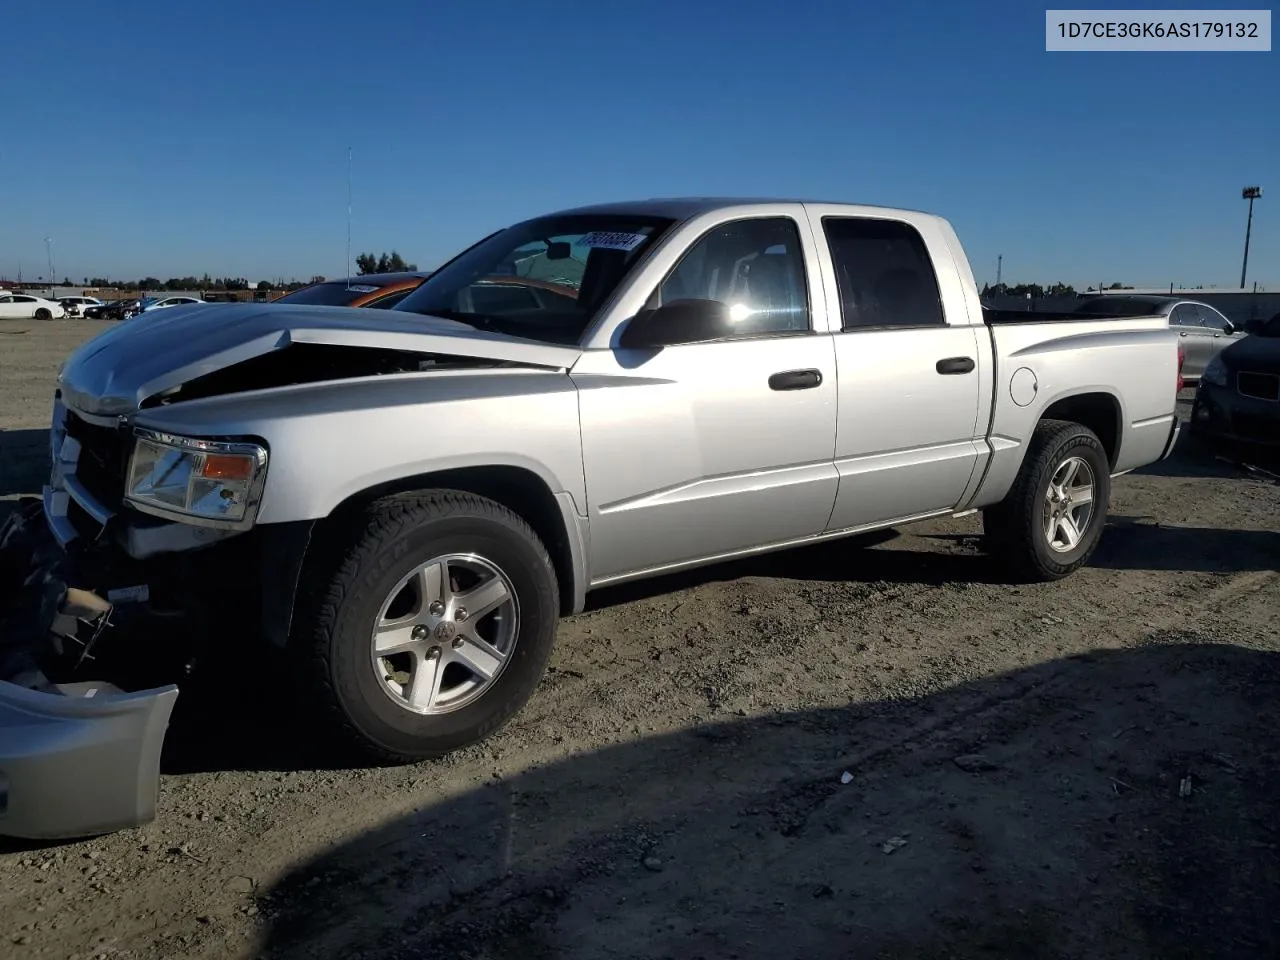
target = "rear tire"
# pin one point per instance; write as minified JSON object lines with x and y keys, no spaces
{"x":44,"y":313}
{"x":386,"y":574}
{"x":1052,"y":519}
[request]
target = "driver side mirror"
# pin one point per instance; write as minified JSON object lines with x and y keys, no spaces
{"x":1230,"y":328}
{"x":677,"y":322}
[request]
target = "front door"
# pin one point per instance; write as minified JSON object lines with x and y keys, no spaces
{"x":702,"y":450}
{"x":12,"y":308}
{"x":1222,"y":332}
{"x":907,"y":438}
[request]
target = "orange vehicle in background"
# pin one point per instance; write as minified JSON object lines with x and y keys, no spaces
{"x":378,"y":290}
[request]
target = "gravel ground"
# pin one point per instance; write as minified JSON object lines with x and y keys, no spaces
{"x":871,"y":749}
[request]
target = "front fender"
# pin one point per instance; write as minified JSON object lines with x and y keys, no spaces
{"x":329,"y":441}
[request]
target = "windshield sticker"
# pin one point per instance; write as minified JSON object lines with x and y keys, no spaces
{"x":363,"y":288}
{"x":605,"y":240}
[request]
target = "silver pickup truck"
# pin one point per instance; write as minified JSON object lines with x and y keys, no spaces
{"x":405,"y":501}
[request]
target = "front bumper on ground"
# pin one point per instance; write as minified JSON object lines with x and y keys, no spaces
{"x":80,"y":762}
{"x":76,"y":759}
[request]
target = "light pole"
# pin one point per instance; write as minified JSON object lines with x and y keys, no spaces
{"x":1251,"y":194}
{"x":48,"y":249}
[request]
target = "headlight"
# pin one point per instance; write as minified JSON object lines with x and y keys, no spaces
{"x":204,"y":481}
{"x":1215,"y":372}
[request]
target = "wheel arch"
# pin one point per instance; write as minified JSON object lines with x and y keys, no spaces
{"x":1097,"y":410}
{"x":552,"y":517}
{"x":1094,"y":407}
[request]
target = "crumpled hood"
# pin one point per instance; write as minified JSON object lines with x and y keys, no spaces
{"x":113,"y":373}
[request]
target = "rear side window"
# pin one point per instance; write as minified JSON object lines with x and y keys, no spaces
{"x":1211,"y":318}
{"x":1186,"y":315}
{"x":883,"y":273}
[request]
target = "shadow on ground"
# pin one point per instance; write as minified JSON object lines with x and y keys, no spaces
{"x":206,"y":736}
{"x":1128,"y":543}
{"x":1194,"y":457}
{"x":1071,"y":835}
{"x":1144,"y":543}
{"x":24,"y":461}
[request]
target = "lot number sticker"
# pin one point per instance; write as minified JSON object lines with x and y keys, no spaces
{"x":604,"y":240}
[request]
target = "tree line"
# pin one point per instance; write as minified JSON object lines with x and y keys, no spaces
{"x":366,"y":263}
{"x":204,"y":284}
{"x":1036,"y":290}
{"x":386,"y":263}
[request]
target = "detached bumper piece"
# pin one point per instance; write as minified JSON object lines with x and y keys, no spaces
{"x":81,"y":759}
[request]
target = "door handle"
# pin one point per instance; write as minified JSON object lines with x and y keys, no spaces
{"x":1183,"y":333}
{"x":795,"y":380}
{"x":955,"y":365}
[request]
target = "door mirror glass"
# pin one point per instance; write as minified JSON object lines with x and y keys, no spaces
{"x":680,"y":321}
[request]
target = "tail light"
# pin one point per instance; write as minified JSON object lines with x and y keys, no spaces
{"x":1182,"y":358}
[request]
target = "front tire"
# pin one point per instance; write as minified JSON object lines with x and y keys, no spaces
{"x":1052,"y":519}
{"x":434,"y":624}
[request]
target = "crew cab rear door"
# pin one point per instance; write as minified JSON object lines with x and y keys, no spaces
{"x":702,"y":450}
{"x":911,"y":365}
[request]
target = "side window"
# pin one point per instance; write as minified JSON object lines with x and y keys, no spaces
{"x":754,"y":266}
{"x":1185,"y":315}
{"x":1211,"y":318}
{"x":883,"y":273}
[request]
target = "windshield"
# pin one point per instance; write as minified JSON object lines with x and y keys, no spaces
{"x":543,"y":279}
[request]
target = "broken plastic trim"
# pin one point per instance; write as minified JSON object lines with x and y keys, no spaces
{"x":80,"y":762}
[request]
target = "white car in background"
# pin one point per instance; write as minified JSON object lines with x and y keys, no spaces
{"x":159,"y":303}
{"x":23,"y":306}
{"x":76,"y":306}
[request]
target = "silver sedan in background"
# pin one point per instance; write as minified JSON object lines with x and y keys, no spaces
{"x":1202,"y":330}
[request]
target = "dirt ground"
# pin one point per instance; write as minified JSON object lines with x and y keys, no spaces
{"x":871,"y":750}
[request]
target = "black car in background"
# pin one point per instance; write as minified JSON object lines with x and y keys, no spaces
{"x":1237,"y":404}
{"x":115,"y":310}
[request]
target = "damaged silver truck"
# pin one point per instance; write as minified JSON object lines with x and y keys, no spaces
{"x":403,"y":502}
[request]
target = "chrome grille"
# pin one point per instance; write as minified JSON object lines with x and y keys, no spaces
{"x":103,"y":459}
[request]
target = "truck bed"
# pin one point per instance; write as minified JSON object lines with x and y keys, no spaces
{"x":996,"y":317}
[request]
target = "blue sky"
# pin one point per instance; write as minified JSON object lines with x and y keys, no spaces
{"x":225,"y":128}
